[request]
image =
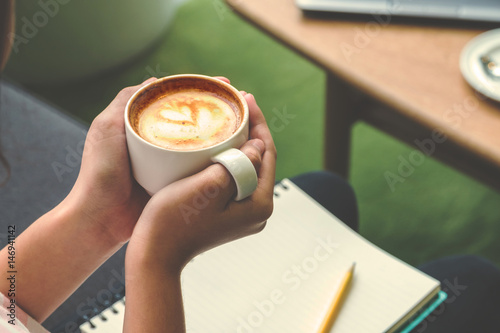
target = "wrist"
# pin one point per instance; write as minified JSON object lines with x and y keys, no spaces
{"x":144,"y":255}
{"x":93,"y":232}
{"x":138,"y":270}
{"x":47,"y":253}
{"x":144,"y":283}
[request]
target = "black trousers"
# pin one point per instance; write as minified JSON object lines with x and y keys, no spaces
{"x":472,"y":283}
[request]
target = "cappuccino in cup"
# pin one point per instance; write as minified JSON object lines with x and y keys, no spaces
{"x":180,"y":124}
{"x":187,"y":120}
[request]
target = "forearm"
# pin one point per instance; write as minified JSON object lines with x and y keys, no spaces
{"x":153,"y":300}
{"x":53,"y":257}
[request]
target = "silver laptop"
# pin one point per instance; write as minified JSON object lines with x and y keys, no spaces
{"x":469,"y":10}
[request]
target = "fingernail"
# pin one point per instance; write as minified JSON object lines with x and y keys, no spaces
{"x":151,"y":79}
{"x":259,"y":145}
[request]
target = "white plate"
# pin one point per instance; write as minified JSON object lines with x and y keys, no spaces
{"x":473,"y":69}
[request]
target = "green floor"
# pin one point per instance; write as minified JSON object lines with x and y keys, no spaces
{"x":436,"y":211}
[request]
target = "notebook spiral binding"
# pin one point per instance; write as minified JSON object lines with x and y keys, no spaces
{"x":98,"y":314}
{"x":278,"y":187}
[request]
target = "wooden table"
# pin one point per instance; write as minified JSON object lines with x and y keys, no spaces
{"x":400,"y":77}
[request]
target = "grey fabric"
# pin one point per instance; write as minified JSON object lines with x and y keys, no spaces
{"x":43,"y":147}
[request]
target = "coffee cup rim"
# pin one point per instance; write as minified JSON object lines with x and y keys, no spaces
{"x":242,"y":99}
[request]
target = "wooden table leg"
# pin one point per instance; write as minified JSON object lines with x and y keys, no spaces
{"x":340,"y":114}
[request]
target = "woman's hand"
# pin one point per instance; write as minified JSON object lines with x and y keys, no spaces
{"x":105,"y":190}
{"x":197,"y":213}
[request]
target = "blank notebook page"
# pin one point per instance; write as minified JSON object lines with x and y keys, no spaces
{"x":283,"y":279}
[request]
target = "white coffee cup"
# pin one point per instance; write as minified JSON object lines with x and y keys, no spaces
{"x":155,"y":167}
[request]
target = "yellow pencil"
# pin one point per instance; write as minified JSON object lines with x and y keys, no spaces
{"x":334,"y":308}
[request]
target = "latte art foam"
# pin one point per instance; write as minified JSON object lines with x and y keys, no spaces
{"x":187,"y":120}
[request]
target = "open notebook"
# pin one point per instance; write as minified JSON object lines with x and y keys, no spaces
{"x":283,"y":279}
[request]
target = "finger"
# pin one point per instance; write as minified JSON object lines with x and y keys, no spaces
{"x":151,"y":79}
{"x":111,"y":120}
{"x":125,"y":94}
{"x":259,"y":205}
{"x":260,"y":130}
{"x":216,"y":184}
{"x":253,"y":150}
{"x":120,"y":101}
{"x":222,"y":78}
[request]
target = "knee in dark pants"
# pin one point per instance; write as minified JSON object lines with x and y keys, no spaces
{"x":332,"y":192}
